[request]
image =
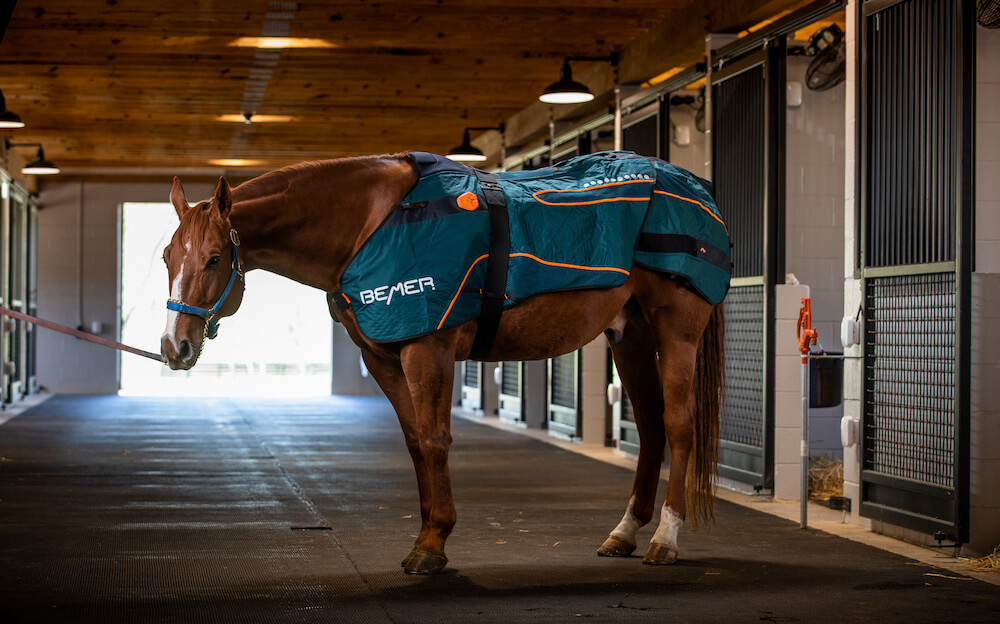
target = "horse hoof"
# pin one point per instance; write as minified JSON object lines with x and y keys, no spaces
{"x":407,"y":558}
{"x":660,"y":554}
{"x":615,"y":547}
{"x":425,"y":563}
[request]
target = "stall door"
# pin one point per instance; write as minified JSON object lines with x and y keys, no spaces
{"x":5,"y":324}
{"x":564,"y":414}
{"x":16,"y":339}
{"x":472,"y":386}
{"x":511,"y":399}
{"x":915,"y":260}
{"x":32,"y":297}
{"x":622,"y":416}
{"x":748,"y":117}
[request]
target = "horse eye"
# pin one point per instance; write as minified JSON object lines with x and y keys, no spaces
{"x":212,"y":262}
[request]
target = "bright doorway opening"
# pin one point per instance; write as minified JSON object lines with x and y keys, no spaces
{"x":277,"y":344}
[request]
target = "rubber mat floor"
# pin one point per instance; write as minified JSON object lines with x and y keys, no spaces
{"x":216,"y":510}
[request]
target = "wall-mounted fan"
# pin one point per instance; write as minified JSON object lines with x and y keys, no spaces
{"x":988,"y":13}
{"x":694,"y":101}
{"x":828,"y":67}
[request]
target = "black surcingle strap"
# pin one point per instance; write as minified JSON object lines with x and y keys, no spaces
{"x":496,"y":266}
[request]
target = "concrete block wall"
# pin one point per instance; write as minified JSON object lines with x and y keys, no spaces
{"x":691,"y":156}
{"x":984,"y":439}
{"x":815,"y":223}
{"x":593,"y":391}
{"x":984,"y":486}
{"x":853,"y":295}
{"x":787,"y":393}
{"x":988,"y":151}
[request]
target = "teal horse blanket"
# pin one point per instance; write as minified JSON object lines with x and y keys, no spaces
{"x":583,"y":223}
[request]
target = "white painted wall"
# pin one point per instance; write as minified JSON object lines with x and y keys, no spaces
{"x":691,"y":156}
{"x":984,"y":486}
{"x":814,"y":232}
{"x":988,"y":151}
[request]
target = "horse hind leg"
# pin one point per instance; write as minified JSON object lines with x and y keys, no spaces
{"x":678,"y":329}
{"x":635,"y":357}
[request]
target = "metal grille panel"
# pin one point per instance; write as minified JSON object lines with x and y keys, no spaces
{"x":564,"y":380}
{"x":641,"y":137}
{"x":510,"y":379}
{"x":470,"y":375}
{"x":910,"y":377}
{"x":739,"y":154}
{"x":627,"y":413}
{"x":743,"y":414}
{"x":911,"y":188}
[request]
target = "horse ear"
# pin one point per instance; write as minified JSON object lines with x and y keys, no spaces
{"x":223,"y":198}
{"x":177,"y":198}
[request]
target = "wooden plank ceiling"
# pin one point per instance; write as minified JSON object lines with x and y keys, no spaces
{"x":140,"y":84}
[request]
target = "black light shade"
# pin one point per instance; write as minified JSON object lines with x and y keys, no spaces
{"x":566,"y":90}
{"x":466,"y":152}
{"x":40,"y":166}
{"x":7,"y":118}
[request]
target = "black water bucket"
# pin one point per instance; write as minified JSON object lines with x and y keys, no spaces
{"x":826,"y":380}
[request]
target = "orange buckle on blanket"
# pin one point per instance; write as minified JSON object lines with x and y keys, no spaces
{"x":468,"y":201}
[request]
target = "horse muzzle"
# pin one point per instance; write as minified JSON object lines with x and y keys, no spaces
{"x":181,"y":356}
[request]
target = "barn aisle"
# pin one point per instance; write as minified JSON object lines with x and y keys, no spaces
{"x":218,"y":510}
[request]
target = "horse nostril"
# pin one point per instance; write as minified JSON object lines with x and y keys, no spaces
{"x":185,"y":350}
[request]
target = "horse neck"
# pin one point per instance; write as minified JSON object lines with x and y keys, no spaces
{"x":305,"y":222}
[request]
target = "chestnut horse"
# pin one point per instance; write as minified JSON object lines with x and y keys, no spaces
{"x":307,"y":221}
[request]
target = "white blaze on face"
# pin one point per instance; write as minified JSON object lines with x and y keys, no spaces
{"x":172,"y":315}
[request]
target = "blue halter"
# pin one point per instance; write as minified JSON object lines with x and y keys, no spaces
{"x":211,"y":326}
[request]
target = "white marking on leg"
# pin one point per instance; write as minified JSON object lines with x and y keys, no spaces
{"x":629,"y":525}
{"x":173,"y":315}
{"x":670,"y":524}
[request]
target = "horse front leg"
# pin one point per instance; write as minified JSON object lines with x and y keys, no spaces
{"x":388,"y":373}
{"x":429,"y":366}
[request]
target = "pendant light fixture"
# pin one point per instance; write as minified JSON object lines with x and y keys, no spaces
{"x":8,"y":119}
{"x":39,"y":166}
{"x":466,"y":152}
{"x":568,"y":91}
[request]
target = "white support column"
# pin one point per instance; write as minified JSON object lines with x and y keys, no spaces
{"x":593,"y":393}
{"x":853,"y":295}
{"x":787,"y":392}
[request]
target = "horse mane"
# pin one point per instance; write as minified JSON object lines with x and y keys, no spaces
{"x":279,"y":180}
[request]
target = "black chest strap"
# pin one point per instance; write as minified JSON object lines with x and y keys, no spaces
{"x":496,"y":266}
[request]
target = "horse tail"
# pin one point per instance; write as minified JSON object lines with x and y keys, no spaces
{"x":709,"y":388}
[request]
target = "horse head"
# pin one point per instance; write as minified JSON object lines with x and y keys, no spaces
{"x":204,"y":272}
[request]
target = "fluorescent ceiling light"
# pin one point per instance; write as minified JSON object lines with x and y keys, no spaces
{"x":234,"y":162}
{"x":242,"y":118}
{"x":281,"y":42}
